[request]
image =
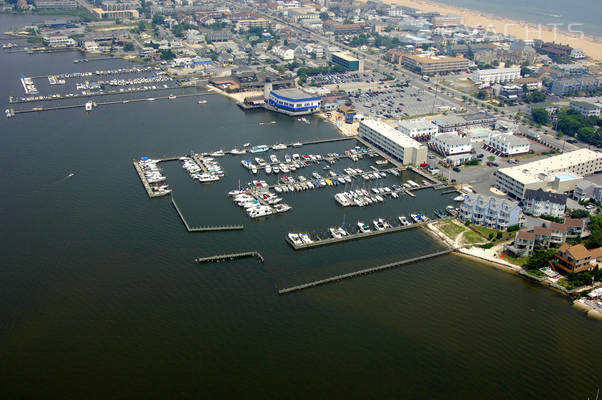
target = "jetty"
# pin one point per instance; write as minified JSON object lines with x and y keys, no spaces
{"x":366,"y":271}
{"x":229,"y":257}
{"x":356,"y":236}
{"x":204,"y":228}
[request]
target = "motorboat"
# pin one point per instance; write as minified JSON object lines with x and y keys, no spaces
{"x":334,"y":232}
{"x":279,"y":146}
{"x":404,"y":221}
{"x":219,"y":153}
{"x":363,"y":227}
{"x":294,"y":237}
{"x":259,"y":149}
{"x":237,"y":151}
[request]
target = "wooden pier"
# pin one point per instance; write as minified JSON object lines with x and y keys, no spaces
{"x":362,"y":272}
{"x":227,"y":257}
{"x":356,"y":236}
{"x":204,"y":228}
{"x":145,"y":183}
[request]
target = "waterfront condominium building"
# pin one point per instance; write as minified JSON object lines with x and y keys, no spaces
{"x":56,"y":4}
{"x":451,"y":144}
{"x":429,"y":64}
{"x":496,"y":75}
{"x":537,"y":202}
{"x":490,"y":211}
{"x":559,"y":173}
{"x":508,"y":145}
{"x":397,"y":145}
{"x":586,"y":109}
{"x":347,"y":61}
{"x":418,"y":128}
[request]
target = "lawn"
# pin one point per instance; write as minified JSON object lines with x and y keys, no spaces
{"x":520,"y":261}
{"x":451,"y":229}
{"x":471,"y":237}
{"x":486,"y":231}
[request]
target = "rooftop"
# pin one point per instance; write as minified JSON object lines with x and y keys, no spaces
{"x":452,"y":139}
{"x":540,"y":195}
{"x":420,"y":123}
{"x":295,"y":94}
{"x":431,"y":59}
{"x":345,"y":56}
{"x":391,"y":133}
{"x":511,"y":140}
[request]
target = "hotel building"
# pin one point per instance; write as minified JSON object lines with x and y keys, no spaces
{"x":399,"y":146}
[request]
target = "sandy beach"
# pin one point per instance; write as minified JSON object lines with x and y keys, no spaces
{"x":521,"y":29}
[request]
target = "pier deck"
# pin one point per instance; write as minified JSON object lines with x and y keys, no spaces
{"x":204,"y":228}
{"x":233,"y":256}
{"x":366,"y":271}
{"x":147,"y":186}
{"x":356,"y":236}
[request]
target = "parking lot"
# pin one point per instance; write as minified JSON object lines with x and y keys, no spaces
{"x":396,"y":102}
{"x":338,"y":78}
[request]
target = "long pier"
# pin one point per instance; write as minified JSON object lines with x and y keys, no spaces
{"x":356,"y":236}
{"x":204,"y":228}
{"x":366,"y":271}
{"x":233,"y":256}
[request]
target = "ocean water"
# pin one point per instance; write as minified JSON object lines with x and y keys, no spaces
{"x":581,"y":15}
{"x":100,"y":297}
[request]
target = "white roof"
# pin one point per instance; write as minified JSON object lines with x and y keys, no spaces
{"x":530,"y":173}
{"x":391,"y":133}
{"x":411,"y":124}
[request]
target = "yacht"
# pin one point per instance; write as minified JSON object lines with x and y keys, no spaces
{"x":404,"y":221}
{"x":305,"y":238}
{"x":276,"y":169}
{"x":202,"y":101}
{"x":268,"y":169}
{"x":280,"y":208}
{"x":260,"y":212}
{"x":334,"y":232}
{"x":259,"y":149}
{"x":171,"y":97}
{"x":246,"y":144}
{"x":363,"y":227}
{"x":237,"y":151}
{"x":207,"y":178}
{"x":378,"y":225}
{"x":279,"y":146}
{"x":273,"y":159}
{"x":287,"y":158}
{"x":219,"y":153}
{"x":297,"y":144}
{"x":459,"y":198}
{"x":260,"y":161}
{"x":294,"y":237}
{"x":415,"y":218}
{"x":88,"y":106}
{"x":254,"y":169}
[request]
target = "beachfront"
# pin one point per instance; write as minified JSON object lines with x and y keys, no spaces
{"x":523,"y":30}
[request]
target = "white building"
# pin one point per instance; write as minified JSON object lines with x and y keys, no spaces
{"x":509,"y":145}
{"x":418,"y":128}
{"x":292,"y":101}
{"x":91,"y":46}
{"x":490,"y":211}
{"x":399,"y":146}
{"x":586,"y":109}
{"x":537,"y":202}
{"x":577,"y":54}
{"x":499,"y":75}
{"x":59,"y":41}
{"x":559,"y":173}
{"x":450,"y":144}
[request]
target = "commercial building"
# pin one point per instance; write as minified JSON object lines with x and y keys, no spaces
{"x":563,"y":87}
{"x":59,"y":41}
{"x":116,"y":14}
{"x":556,"y":49}
{"x":451,"y":123}
{"x":56,"y":4}
{"x":499,"y":75}
{"x":450,"y":144}
{"x":586,"y":190}
{"x":490,"y":211}
{"x":577,"y":54}
{"x":343,"y":29}
{"x":559,"y":173}
{"x":537,"y":202}
{"x":586,"y":109}
{"x":418,"y":128}
{"x":347,"y":61}
{"x":444,"y":21}
{"x":292,"y":101}
{"x":244,"y":25}
{"x":399,"y":146}
{"x":429,"y":64}
{"x":508,"y":145}
{"x":573,"y":259}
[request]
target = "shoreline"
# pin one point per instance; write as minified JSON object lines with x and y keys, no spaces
{"x":590,"y":44}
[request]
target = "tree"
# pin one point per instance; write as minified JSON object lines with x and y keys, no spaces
{"x":539,"y":258}
{"x":324,"y":16}
{"x":167,"y":54}
{"x":540,"y":116}
{"x":158,"y":20}
{"x":525,"y":70}
{"x":578,"y":213}
{"x":128,"y":47}
{"x":482,"y":94}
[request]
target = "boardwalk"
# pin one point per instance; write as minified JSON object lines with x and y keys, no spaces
{"x":233,"y":256}
{"x":204,"y":228}
{"x":361,"y":272}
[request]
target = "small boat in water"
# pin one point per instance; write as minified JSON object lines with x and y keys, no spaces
{"x":259,"y":149}
{"x":202,"y":101}
{"x":237,"y":151}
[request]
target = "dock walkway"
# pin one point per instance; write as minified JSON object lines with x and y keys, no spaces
{"x":356,"y":236}
{"x":144,"y":181}
{"x":366,"y":271}
{"x":233,"y":256}
{"x":204,"y":228}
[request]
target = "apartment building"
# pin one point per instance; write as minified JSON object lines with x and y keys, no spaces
{"x":498,"y":75}
{"x":451,"y":144}
{"x":537,"y":202}
{"x":490,"y":211}
{"x":429,"y":64}
{"x":508,"y":145}
{"x":399,"y":146}
{"x":585,"y":108}
{"x":573,"y":259}
{"x":418,"y":128}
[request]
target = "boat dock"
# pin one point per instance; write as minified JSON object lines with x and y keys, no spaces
{"x":204,"y":228}
{"x":355,"y":236}
{"x":145,"y":183}
{"x":227,"y":257}
{"x":366,"y":271}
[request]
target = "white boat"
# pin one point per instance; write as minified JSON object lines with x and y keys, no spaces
{"x":268,"y":169}
{"x":305,"y":238}
{"x":415,"y":218}
{"x":363,"y":227}
{"x":202,"y":101}
{"x":334,"y":232}
{"x":260,"y":212}
{"x":459,"y":198}
{"x":171,"y":97}
{"x":279,"y":146}
{"x":294,"y":237}
{"x":88,"y":106}
{"x":208,"y":178}
{"x":276,"y":169}
{"x":297,"y":144}
{"x":404,"y":221}
{"x":254,"y":169}
{"x":246,"y":144}
{"x":259,"y":149}
{"x":237,"y":151}
{"x":218,"y":153}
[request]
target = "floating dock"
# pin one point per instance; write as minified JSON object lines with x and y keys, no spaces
{"x":359,"y":235}
{"x":227,"y":257}
{"x":204,"y":228}
{"x":361,"y":272}
{"x":145,"y":183}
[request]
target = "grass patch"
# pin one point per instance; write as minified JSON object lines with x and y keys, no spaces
{"x":487,"y":231}
{"x":471,"y":237}
{"x":451,"y":229}
{"x":520,"y":261}
{"x":536,"y":273}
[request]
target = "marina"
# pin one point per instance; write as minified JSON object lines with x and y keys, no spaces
{"x":204,"y":228}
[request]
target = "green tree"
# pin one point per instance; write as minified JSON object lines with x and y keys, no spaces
{"x":167,"y":54}
{"x":158,"y":19}
{"x":482,"y":94}
{"x":324,"y":16}
{"x":128,"y":47}
{"x":539,"y":258}
{"x":540,"y":116}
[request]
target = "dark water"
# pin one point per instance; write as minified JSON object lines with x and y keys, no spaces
{"x":583,"y":15}
{"x":99,"y":297}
